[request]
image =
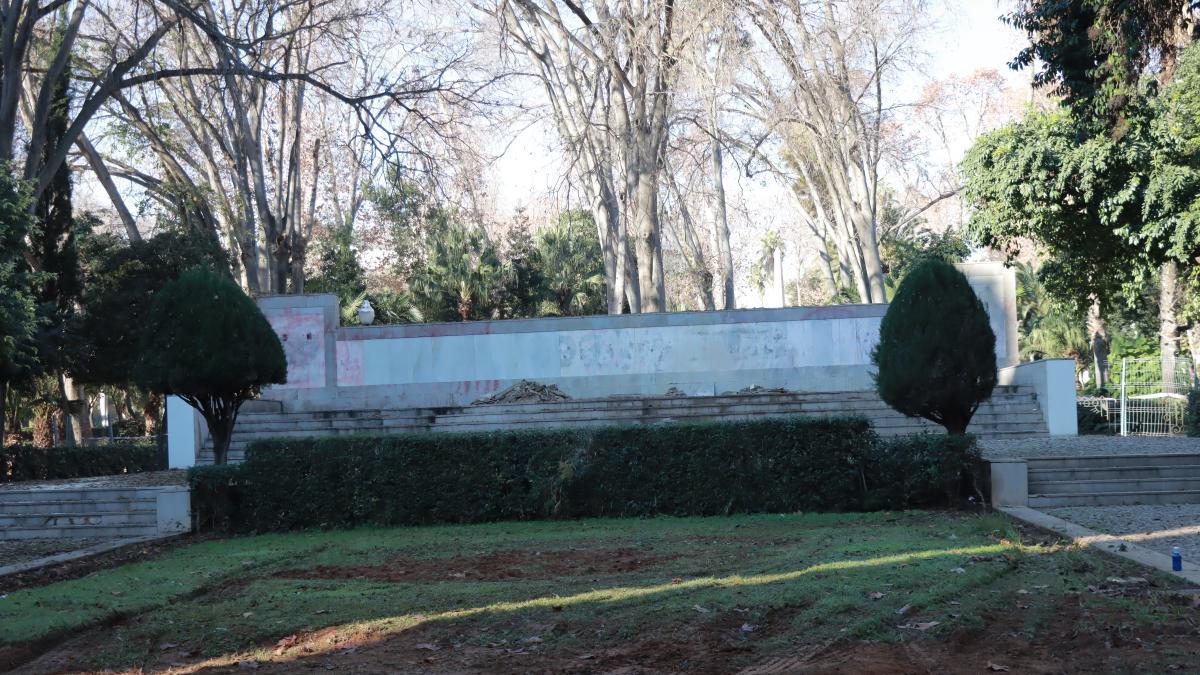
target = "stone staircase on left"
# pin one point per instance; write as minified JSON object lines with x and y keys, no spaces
{"x":117,"y":507}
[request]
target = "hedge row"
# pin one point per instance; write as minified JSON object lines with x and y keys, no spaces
{"x":770,"y":465}
{"x":26,"y":462}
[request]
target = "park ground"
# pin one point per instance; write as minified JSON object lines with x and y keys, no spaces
{"x":853,"y":593}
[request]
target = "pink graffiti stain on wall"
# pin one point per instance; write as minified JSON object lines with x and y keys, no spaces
{"x":349,"y":363}
{"x":302,"y":332}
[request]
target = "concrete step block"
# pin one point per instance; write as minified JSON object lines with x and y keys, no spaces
{"x":94,"y":518}
{"x":1110,"y":472}
{"x":1115,"y":485}
{"x":1114,"y":461}
{"x":1114,"y":499}
{"x":79,"y":531}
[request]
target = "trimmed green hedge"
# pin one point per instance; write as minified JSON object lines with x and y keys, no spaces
{"x":769,"y":465}
{"x":26,"y":462}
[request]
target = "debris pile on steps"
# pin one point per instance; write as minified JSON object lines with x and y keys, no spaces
{"x":758,"y":389}
{"x":525,"y":391}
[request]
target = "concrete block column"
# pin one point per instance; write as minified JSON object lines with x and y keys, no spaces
{"x":1010,"y":483}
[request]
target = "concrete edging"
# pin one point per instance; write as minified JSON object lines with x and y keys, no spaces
{"x":68,"y":556}
{"x":1104,"y":543}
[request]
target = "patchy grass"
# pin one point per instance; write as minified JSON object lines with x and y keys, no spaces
{"x":663,"y":594}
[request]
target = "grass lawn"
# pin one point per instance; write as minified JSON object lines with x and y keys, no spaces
{"x":890,"y":592}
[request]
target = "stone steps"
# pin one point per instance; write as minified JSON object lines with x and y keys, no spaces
{"x":1012,"y":413}
{"x":1114,"y":480}
{"x":117,"y":513}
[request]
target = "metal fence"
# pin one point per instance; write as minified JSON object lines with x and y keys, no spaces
{"x":1149,"y":396}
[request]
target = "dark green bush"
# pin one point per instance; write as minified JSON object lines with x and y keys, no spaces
{"x":770,"y":465}
{"x":1091,"y":421}
{"x":936,"y":356}
{"x":921,"y":470}
{"x":1192,"y":418}
{"x":26,"y":462}
{"x":208,"y":343}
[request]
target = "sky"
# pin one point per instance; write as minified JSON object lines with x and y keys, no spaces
{"x":968,"y":37}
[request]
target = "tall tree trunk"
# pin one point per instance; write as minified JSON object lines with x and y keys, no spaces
{"x":64,"y":410}
{"x":648,"y":243}
{"x":633,"y":290}
{"x":1168,"y":322}
{"x":721,"y":228}
{"x":78,"y":411}
{"x":1098,"y":333}
{"x":3,"y":413}
{"x":152,"y":413}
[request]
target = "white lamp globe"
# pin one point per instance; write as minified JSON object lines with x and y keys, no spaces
{"x":366,"y":313}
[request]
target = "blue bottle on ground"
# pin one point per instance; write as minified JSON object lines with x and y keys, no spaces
{"x":1176,"y":559}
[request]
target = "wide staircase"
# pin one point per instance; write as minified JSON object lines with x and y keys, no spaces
{"x":1012,"y":412}
{"x":1113,"y":480}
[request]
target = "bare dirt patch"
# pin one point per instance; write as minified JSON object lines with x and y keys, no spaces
{"x":496,"y":566}
{"x":81,"y":567}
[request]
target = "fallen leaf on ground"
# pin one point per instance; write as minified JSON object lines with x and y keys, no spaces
{"x":957,"y":570}
{"x":700,"y":609}
{"x":875,"y":595}
{"x":168,"y":645}
{"x":904,"y":609}
{"x":747,"y":628}
{"x":321,"y":611}
{"x":1022,"y":592}
{"x":248,"y":665}
{"x":429,"y":646}
{"x":922,"y":625}
{"x":247,"y":615}
{"x":996,"y":667}
{"x":532,"y":639}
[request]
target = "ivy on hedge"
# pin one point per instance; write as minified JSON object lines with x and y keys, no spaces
{"x":768,"y":465}
{"x":1192,"y":416}
{"x":27,"y":462}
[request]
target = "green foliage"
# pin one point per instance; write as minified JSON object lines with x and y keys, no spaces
{"x":1192,"y":418}
{"x":26,"y":462}
{"x":122,"y":280}
{"x":922,"y":469}
{"x":1047,"y":328}
{"x":901,"y":250}
{"x":1095,"y":52}
{"x":338,"y":270}
{"x":773,"y":465}
{"x":460,"y":275}
{"x":1074,"y":193}
{"x":18,"y":315}
{"x":572,"y":266}
{"x":936,"y":356}
{"x":208,"y":343}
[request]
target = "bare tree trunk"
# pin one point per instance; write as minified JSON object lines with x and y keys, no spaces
{"x":633,"y":290}
{"x":1168,"y":322}
{"x":110,"y":188}
{"x":721,"y":228}
{"x":3,"y":413}
{"x":1098,"y":332}
{"x":78,"y":413}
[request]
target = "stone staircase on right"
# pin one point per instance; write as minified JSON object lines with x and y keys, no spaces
{"x":1114,"y":480}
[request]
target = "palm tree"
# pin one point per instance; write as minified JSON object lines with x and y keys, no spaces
{"x":1047,"y":328}
{"x":572,"y":267}
{"x":461,"y":273}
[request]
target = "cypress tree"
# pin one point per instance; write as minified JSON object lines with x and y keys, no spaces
{"x":936,"y":356}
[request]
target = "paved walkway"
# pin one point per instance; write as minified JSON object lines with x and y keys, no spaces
{"x":1051,"y":446}
{"x":1157,"y":528}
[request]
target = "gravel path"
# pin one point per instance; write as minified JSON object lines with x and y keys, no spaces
{"x":128,"y":480}
{"x":1051,"y":446}
{"x":1157,"y":528}
{"x":26,"y":550}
